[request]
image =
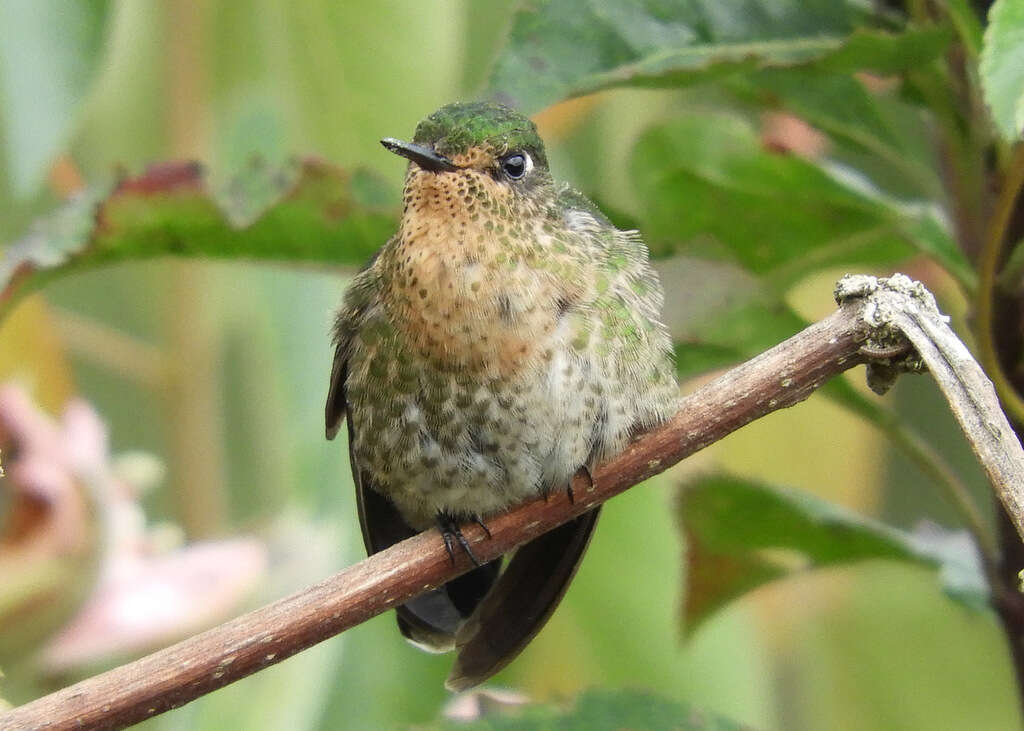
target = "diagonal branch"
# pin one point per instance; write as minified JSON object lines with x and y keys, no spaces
{"x":780,"y":377}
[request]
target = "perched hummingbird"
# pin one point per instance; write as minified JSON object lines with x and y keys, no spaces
{"x":505,"y":338}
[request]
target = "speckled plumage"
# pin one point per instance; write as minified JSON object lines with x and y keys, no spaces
{"x":507,"y":335}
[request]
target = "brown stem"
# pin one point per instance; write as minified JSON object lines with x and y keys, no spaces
{"x":780,"y":377}
{"x":193,"y":405}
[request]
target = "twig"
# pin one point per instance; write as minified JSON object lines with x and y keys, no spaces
{"x":780,"y":377}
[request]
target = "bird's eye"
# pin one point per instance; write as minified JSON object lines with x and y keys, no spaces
{"x":516,"y":165}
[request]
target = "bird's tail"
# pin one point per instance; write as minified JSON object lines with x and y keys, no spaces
{"x":521,"y":602}
{"x":487,"y":615}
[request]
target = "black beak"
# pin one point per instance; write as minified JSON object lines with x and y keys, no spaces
{"x":422,"y":156}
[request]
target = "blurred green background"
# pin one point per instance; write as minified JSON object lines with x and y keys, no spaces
{"x":220,"y":369}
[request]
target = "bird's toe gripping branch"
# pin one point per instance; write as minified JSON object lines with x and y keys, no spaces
{"x":452,"y":534}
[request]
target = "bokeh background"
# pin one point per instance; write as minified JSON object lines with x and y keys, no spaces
{"x":210,"y":379}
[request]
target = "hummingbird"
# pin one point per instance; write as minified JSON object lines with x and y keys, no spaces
{"x":505,"y":338}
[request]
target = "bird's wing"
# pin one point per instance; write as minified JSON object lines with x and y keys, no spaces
{"x":359,"y":300}
{"x":431,"y":620}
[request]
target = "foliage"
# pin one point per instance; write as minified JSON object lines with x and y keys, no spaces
{"x":786,"y":532}
{"x":1002,"y":68}
{"x":305,"y":211}
{"x":44,"y":83}
{"x":899,"y":121}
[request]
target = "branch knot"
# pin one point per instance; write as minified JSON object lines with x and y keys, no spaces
{"x":886,"y":347}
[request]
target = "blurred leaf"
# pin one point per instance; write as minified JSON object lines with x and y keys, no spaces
{"x":743,"y":534}
{"x":604,"y":709}
{"x":710,"y":188}
{"x":310,"y":211}
{"x":923,"y":224}
{"x":968,"y":27}
{"x":559,"y":50}
{"x":34,"y":354}
{"x":1002,"y":66}
{"x":49,"y":55}
{"x":695,"y":358}
{"x":842,"y":392}
{"x":740,"y":329}
{"x":887,"y":53}
{"x":888,"y":137}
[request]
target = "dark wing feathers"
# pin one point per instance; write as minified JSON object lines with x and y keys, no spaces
{"x":521,"y":602}
{"x":336,"y":399}
{"x":432,"y":619}
{"x":358,"y":300}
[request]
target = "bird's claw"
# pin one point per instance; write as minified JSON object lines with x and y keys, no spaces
{"x":585,"y":471}
{"x":452,"y":534}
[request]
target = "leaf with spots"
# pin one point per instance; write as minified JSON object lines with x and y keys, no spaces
{"x":307,"y":211}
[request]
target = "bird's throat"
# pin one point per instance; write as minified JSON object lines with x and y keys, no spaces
{"x":468,"y":283}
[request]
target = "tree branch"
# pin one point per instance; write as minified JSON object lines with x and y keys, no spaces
{"x":780,"y":377}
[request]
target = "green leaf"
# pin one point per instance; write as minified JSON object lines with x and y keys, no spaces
{"x":603,"y":709}
{"x":559,"y":50}
{"x":709,"y":188}
{"x":736,"y":329}
{"x":921,"y":223}
{"x":1002,"y":66}
{"x":726,"y":318}
{"x":887,"y":53}
{"x":743,"y":534}
{"x":877,"y":132}
{"x":49,"y":55}
{"x":967,"y":25}
{"x":862,"y":50}
{"x":308,"y":211}
{"x":736,"y":320}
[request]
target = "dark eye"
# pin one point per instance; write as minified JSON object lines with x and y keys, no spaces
{"x":516,"y":165}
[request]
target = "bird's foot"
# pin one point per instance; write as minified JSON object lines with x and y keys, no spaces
{"x":452,"y":534}
{"x":487,"y":531}
{"x":585,"y":471}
